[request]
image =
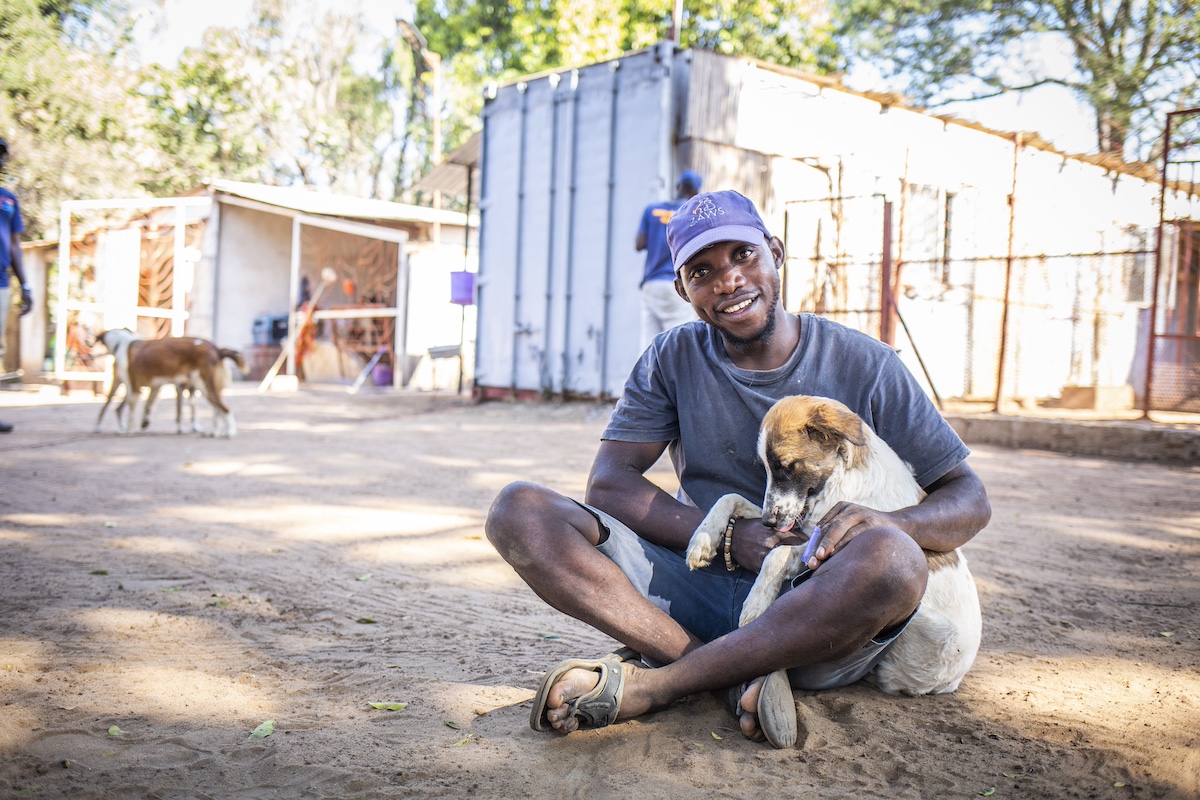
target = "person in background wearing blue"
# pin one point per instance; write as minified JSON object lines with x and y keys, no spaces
{"x":662,"y":307}
{"x":11,"y":228}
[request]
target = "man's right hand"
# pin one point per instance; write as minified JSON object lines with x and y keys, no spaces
{"x":752,"y":541}
{"x":26,"y":300}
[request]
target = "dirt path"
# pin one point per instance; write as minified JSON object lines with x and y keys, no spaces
{"x":185,"y":590}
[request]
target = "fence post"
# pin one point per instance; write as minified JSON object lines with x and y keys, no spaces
{"x":886,"y":328}
{"x":1151,"y":344}
{"x":1008,"y":270}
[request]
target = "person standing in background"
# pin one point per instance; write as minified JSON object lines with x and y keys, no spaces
{"x":11,"y":228}
{"x":662,"y":307}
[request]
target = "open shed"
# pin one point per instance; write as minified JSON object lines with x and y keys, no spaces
{"x":245,"y":264}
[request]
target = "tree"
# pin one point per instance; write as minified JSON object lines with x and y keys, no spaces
{"x":481,"y":41}
{"x":1130,"y":60}
{"x":66,"y":108}
{"x":279,"y":102}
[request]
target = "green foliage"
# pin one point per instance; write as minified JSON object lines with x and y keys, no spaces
{"x":484,"y":41}
{"x":67,"y":112}
{"x":1131,"y":61}
{"x":278,"y":102}
{"x":292,"y":98}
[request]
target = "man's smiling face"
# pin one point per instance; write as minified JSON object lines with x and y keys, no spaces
{"x":734,"y":286}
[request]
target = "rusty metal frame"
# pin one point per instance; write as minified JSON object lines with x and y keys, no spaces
{"x":1147,"y":400}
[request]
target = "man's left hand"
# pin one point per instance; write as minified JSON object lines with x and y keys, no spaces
{"x":26,"y":300}
{"x":839,"y":526}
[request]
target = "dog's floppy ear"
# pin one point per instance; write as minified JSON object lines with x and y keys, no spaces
{"x":831,"y":424}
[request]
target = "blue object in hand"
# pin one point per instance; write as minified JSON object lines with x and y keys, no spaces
{"x":814,"y":539}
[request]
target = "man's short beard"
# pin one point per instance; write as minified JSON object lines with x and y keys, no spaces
{"x":764,"y":335}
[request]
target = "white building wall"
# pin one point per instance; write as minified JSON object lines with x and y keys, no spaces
{"x":1072,"y":317}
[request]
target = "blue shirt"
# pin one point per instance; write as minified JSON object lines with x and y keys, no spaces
{"x":654,"y":227}
{"x":10,"y":223}
{"x":685,"y":390}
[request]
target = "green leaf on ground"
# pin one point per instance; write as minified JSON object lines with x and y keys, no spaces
{"x":110,"y":524}
{"x":464,"y":740}
{"x":365,"y":621}
{"x":366,"y":577}
{"x":449,"y":723}
{"x":1167,"y":634}
{"x":113,"y":730}
{"x":171,"y":589}
{"x":98,"y":572}
{"x":549,"y":636}
{"x":988,"y":792}
{"x":718,"y":738}
{"x":389,"y":706}
{"x":264,"y":730}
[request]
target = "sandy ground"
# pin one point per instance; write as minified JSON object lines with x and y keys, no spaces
{"x":163,"y":595}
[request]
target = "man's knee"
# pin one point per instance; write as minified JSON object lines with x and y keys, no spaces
{"x":517,"y":509}
{"x":900,"y":568}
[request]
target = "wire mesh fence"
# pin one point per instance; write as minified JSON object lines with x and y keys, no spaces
{"x":978,"y":322}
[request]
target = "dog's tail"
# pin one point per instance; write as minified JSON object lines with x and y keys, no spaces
{"x":235,"y":356}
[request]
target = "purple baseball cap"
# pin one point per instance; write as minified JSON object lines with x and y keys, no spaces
{"x":710,"y":218}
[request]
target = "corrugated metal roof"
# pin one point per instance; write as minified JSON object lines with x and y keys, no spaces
{"x":307,"y":201}
{"x":451,"y":176}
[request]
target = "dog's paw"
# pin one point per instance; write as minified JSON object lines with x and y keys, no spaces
{"x":701,"y":551}
{"x":757,"y":602}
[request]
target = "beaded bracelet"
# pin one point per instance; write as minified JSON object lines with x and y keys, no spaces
{"x":729,"y":544}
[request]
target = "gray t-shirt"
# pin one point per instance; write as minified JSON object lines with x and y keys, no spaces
{"x":686,"y":391}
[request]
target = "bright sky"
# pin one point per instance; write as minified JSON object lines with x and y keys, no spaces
{"x":186,"y":21}
{"x":1051,"y":111}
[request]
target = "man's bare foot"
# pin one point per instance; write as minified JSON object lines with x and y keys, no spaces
{"x":577,"y":682}
{"x":748,"y":711}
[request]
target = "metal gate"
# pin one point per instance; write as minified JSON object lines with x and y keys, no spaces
{"x":1173,"y":360}
{"x":135,"y":272}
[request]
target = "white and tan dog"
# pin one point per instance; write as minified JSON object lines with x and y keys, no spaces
{"x":818,"y":453}
{"x":190,"y":363}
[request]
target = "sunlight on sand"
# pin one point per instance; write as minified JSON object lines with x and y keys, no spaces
{"x":48,"y":520}
{"x":183,"y":693}
{"x":452,"y":543}
{"x":1107,"y":698}
{"x":334,"y":523}
{"x":17,"y":655}
{"x":178,"y":691}
{"x":157,"y":544}
{"x":1144,"y":536}
{"x":466,"y":700}
{"x":15,"y":536}
{"x":301,"y":426}
{"x":243,"y":468}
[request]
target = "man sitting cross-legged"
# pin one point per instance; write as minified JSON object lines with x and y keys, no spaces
{"x":701,"y":390}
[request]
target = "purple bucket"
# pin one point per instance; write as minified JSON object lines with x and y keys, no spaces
{"x":381,"y":375}
{"x":462,"y":288}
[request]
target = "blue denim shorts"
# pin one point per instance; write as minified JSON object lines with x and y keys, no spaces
{"x":708,"y":602}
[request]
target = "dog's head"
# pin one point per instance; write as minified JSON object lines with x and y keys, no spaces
{"x":802,"y":441}
{"x":115,"y":338}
